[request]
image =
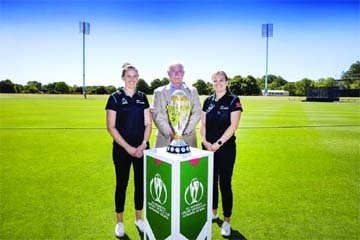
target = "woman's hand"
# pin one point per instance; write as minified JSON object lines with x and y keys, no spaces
{"x":140,"y":150}
{"x":215,"y":146}
{"x":131,"y":150}
{"x":207,"y":145}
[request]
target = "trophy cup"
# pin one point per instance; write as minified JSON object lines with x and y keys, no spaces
{"x":178,"y":111}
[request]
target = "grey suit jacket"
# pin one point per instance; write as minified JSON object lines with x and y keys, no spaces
{"x":162,"y":96}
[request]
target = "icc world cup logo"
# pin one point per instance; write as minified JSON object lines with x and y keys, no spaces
{"x":194,"y":192}
{"x":158,"y":189}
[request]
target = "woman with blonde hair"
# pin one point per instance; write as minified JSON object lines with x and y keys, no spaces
{"x":128,"y":121}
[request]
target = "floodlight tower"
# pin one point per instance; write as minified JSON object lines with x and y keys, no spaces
{"x":84,"y":28}
{"x":267,"y":31}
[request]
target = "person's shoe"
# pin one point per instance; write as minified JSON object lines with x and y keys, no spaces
{"x":215,"y":216}
{"x":225,"y":229}
{"x":140,"y":224}
{"x":119,"y":229}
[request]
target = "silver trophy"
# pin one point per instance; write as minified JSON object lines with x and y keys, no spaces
{"x":178,"y":110}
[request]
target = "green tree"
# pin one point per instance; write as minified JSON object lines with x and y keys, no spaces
{"x":325,"y":82}
{"x":274,"y":82}
{"x":244,"y":86}
{"x":252,"y":88}
{"x":155,"y":84}
{"x":300,"y":86}
{"x":49,"y":88}
{"x":36,"y":84}
{"x":355,"y":84}
{"x":236,"y":85}
{"x":351,"y":78}
{"x":19,"y":88}
{"x":7,"y":86}
{"x":62,"y":87}
{"x":210,"y":88}
{"x":164,"y":81}
{"x":201,"y":87}
{"x":101,"y":90}
{"x":111,"y":89}
{"x":353,"y":72}
{"x":76,"y":89}
{"x":143,"y":86}
{"x":57,"y":87}
{"x":33,"y":87}
{"x":290,"y":87}
{"x":261,"y":83}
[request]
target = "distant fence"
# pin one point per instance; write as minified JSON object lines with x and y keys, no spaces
{"x":349,"y":92}
{"x":329,"y":94}
{"x":349,"y":99}
{"x":296,"y":98}
{"x":322,"y":94}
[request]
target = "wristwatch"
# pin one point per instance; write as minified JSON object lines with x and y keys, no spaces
{"x":219,"y":142}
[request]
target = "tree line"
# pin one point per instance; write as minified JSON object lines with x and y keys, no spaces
{"x":239,"y":85}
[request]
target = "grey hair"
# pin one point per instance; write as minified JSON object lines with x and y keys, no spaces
{"x":175,"y":63}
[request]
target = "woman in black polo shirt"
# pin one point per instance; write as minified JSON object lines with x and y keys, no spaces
{"x":128,"y":121}
{"x":219,"y":121}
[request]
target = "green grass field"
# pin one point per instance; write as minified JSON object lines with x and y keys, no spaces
{"x":297,"y":173}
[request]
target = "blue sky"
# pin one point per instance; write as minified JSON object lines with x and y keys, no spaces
{"x":40,"y":40}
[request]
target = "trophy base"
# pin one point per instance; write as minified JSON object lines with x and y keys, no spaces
{"x":178,"y":147}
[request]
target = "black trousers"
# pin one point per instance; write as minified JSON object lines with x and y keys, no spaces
{"x":224,"y":160}
{"x":122,"y":162}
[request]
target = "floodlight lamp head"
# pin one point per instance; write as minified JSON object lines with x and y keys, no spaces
{"x":84,"y":28}
{"x":267,"y":30}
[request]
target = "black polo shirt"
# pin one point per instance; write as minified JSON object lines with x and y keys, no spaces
{"x":129,"y":115}
{"x":218,"y":115}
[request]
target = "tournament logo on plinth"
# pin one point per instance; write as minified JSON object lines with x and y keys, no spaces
{"x":158,"y":189}
{"x":194,"y":197}
{"x":194,"y":192}
{"x":158,"y":197}
{"x":178,"y":110}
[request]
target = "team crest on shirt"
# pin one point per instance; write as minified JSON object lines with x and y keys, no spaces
{"x":211,"y":106}
{"x":124,"y":101}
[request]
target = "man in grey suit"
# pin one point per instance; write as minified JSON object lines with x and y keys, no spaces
{"x":162,"y":96}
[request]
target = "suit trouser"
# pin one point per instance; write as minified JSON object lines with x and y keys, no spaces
{"x":122,"y":162}
{"x":224,"y":160}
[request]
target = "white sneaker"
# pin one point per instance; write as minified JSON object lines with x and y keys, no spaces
{"x":140,"y":224}
{"x":225,"y":229}
{"x":119,"y":229}
{"x":214,"y":216}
